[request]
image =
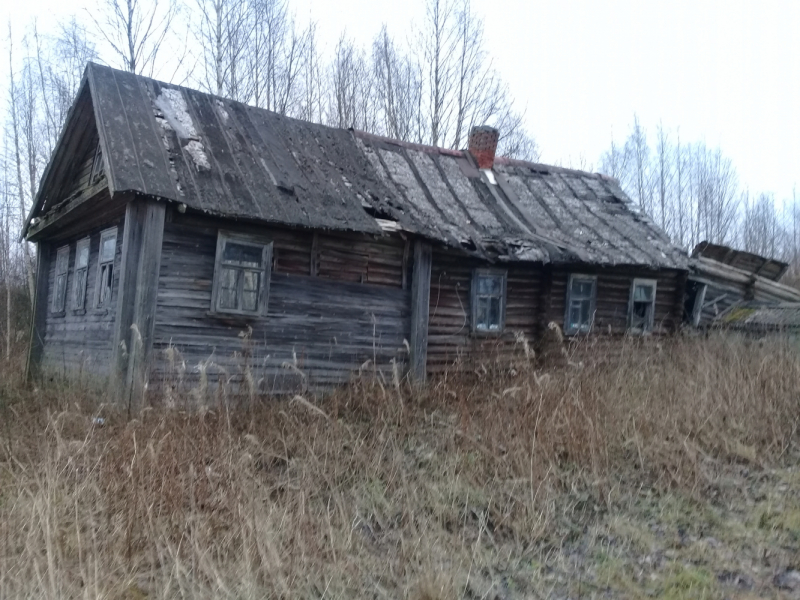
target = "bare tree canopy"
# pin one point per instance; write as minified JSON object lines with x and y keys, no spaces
{"x":693,"y":192}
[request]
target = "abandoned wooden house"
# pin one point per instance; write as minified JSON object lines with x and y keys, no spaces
{"x":722,"y":279}
{"x":173,"y":225}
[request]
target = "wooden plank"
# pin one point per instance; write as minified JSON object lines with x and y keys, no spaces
{"x":138,"y":285}
{"x":40,"y":304}
{"x":420,"y":310}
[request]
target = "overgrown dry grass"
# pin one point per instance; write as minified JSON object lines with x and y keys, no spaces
{"x":514,"y":482}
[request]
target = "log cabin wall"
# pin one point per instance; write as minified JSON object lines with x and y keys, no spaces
{"x":451,"y":344}
{"x":613,"y":295}
{"x":536,"y":296}
{"x":335,"y":303}
{"x":80,"y":341}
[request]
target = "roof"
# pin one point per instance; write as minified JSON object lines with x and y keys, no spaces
{"x":226,"y":158}
{"x":754,"y":317}
{"x":745,"y":261}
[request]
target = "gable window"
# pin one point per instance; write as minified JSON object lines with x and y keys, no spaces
{"x":642,"y":305}
{"x":488,"y":301}
{"x":105,"y":266}
{"x":97,"y":165}
{"x":60,"y":286}
{"x":80,"y":270}
{"x":241,"y":274}
{"x":581,"y":298}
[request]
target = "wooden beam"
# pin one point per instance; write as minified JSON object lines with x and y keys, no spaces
{"x":420,"y":310}
{"x":143,"y":234}
{"x":39,"y":317}
{"x":56,"y":214}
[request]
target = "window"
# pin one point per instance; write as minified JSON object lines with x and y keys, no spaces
{"x":97,"y":165}
{"x":581,"y":298}
{"x":642,"y":305}
{"x":80,"y":270}
{"x":60,"y":287}
{"x":105,"y":266}
{"x":241,"y":274}
{"x":488,"y":301}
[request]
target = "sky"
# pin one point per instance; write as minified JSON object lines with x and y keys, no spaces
{"x":723,"y":72}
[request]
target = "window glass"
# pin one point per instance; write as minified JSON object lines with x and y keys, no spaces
{"x":488,"y":301}
{"x":241,"y":275}
{"x":105,"y":266}
{"x":81,"y":270}
{"x":580,"y":303}
{"x":107,"y":246}
{"x":60,"y":284}
{"x":643,"y":293}
{"x":642,"y":308}
{"x":82,"y":256}
{"x":244,"y":255}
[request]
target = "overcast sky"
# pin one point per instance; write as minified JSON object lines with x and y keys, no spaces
{"x":724,"y":72}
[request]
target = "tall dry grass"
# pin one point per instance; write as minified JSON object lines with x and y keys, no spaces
{"x":373,"y":491}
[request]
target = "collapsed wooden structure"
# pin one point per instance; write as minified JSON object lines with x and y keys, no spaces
{"x":172,"y":223}
{"x":723,"y":280}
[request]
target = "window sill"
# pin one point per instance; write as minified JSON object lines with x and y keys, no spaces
{"x":58,"y":314}
{"x":79,"y":311}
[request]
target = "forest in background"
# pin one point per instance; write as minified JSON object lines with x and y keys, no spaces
{"x":429,"y":85}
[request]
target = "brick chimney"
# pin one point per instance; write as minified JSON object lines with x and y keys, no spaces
{"x":483,"y":145}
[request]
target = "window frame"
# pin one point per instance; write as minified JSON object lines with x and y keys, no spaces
{"x":98,"y":166}
{"x":488,"y":272}
{"x":98,"y":295}
{"x":244,"y":239}
{"x":648,"y":326}
{"x":58,"y":304}
{"x":83,"y":243}
{"x":569,"y":330}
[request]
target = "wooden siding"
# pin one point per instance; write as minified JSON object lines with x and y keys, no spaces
{"x":81,"y":341}
{"x":81,"y":179}
{"x":536,"y":297}
{"x":318,"y":329}
{"x":451,"y":345}
{"x":613,"y":294}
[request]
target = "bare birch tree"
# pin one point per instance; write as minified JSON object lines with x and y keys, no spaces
{"x":136,"y":31}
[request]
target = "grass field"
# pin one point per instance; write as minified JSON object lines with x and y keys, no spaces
{"x":668,"y":471}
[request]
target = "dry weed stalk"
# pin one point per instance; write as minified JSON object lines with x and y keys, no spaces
{"x":418,"y":497}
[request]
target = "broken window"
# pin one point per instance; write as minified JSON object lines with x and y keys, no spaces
{"x":241,"y":274}
{"x":581,"y":298}
{"x":105,"y":266}
{"x":488,"y":301}
{"x":80,"y":270}
{"x":60,"y":284}
{"x":642,"y":305}
{"x":97,"y":165}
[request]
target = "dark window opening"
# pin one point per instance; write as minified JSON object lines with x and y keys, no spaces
{"x":642,"y":305}
{"x":105,"y":266}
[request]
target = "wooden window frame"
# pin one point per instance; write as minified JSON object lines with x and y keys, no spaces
{"x":569,"y":330}
{"x":80,"y":306}
{"x":648,"y":327}
{"x":98,"y":167}
{"x":266,"y":272}
{"x":484,"y":272}
{"x":58,"y":305}
{"x":99,"y":302}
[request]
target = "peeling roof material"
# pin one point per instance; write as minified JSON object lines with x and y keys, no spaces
{"x":229,"y":159}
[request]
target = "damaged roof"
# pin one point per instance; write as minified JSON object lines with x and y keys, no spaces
{"x":751,"y":263}
{"x":226,"y":158}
